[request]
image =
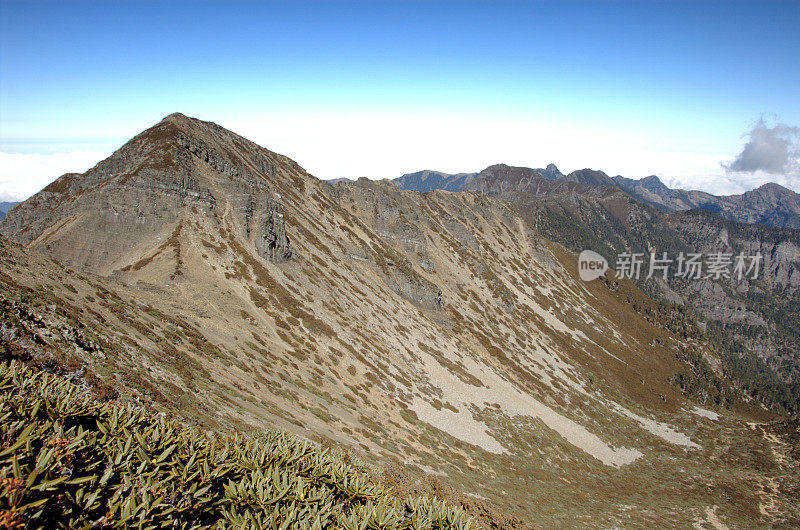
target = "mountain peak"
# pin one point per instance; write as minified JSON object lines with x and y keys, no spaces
{"x":510,"y":172}
{"x":429,"y":180}
{"x":179,"y":120}
{"x":551,"y":172}
{"x":774,"y":187}
{"x":138,"y":195}
{"x":175,"y":116}
{"x":654,"y":184}
{"x":591,"y":177}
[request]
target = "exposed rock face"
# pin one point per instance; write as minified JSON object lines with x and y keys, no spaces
{"x":780,"y":248}
{"x":397,"y":221}
{"x":44,"y":323}
{"x":275,"y":239}
{"x":500,"y":179}
{"x":210,"y":157}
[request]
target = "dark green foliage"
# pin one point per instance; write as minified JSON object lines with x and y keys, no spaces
{"x":755,"y":377}
{"x":701,"y":383}
{"x":70,"y":461}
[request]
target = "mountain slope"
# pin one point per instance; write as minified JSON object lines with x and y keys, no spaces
{"x":750,"y":319}
{"x":223,"y":282}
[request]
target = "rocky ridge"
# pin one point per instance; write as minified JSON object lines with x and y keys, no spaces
{"x":770,"y":205}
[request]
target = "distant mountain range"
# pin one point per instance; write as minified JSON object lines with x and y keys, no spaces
{"x":434,"y":180}
{"x":5,"y":207}
{"x":589,"y":210}
{"x":770,"y":204}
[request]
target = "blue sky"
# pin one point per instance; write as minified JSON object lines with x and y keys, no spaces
{"x":381,"y":88}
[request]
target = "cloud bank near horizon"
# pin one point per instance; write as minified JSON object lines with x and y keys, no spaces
{"x":22,"y":175}
{"x":389,"y":146}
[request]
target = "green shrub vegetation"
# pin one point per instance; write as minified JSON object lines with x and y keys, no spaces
{"x":69,"y":461}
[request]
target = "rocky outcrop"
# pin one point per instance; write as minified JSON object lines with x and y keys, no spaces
{"x":209,"y":156}
{"x":403,"y":280}
{"x":403,"y":258}
{"x":44,"y":325}
{"x":551,"y":172}
{"x":779,"y":248}
{"x":276,"y":242}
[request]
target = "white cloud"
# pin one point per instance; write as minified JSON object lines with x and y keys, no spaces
{"x":771,"y":154}
{"x":387,"y":144}
{"x":731,"y":183}
{"x":774,"y":150}
{"x":22,"y":175}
